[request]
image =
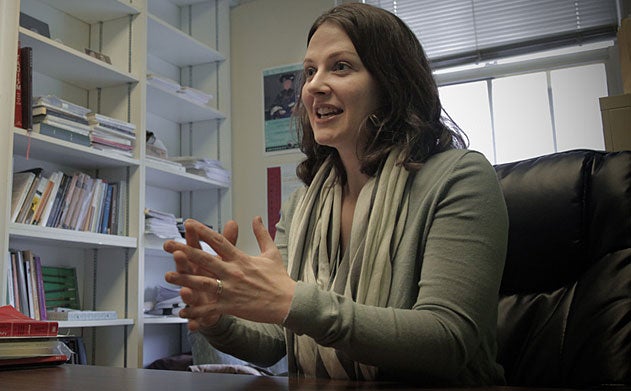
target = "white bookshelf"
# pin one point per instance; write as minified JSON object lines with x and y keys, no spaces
{"x":180,"y":39}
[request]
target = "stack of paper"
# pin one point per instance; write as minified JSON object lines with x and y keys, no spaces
{"x":168,"y":301}
{"x":161,"y":224}
{"x":209,"y":168}
{"x":188,"y":93}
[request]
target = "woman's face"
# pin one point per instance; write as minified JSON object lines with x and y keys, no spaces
{"x":339,"y":93}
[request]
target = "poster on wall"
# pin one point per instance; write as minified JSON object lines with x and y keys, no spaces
{"x":281,"y":182}
{"x":280,"y":89}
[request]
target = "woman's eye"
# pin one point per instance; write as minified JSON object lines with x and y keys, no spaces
{"x":341,"y":66}
{"x":309,"y":72}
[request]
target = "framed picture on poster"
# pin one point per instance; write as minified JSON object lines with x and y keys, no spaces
{"x":280,"y":90}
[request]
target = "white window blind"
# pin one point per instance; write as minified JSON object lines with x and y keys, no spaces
{"x":455,"y":32}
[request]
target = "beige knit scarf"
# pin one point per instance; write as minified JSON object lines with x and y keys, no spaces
{"x":313,"y":247}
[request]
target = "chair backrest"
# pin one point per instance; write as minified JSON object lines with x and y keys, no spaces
{"x":565,"y":299}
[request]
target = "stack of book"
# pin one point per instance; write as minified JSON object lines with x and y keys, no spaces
{"x":110,"y":134}
{"x":209,"y":168}
{"x":27,"y":341}
{"x":61,"y":119}
{"x":78,"y":201}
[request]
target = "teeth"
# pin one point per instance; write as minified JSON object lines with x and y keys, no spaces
{"x":325,"y":111}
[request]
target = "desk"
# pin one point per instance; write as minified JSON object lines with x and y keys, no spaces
{"x":95,"y":378}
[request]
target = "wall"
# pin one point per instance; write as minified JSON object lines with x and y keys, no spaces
{"x":264,"y":34}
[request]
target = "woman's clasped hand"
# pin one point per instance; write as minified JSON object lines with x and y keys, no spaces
{"x":256,"y":288}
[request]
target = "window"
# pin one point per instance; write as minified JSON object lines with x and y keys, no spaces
{"x":455,"y":32}
{"x":517,"y":117}
{"x":522,"y":78}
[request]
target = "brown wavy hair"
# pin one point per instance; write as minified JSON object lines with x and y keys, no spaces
{"x":410,"y":115}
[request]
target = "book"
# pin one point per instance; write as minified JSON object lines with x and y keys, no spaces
{"x":33,"y":311}
{"x":18,"y":281}
{"x":42,"y":111}
{"x":65,"y":205}
{"x":60,"y":287}
{"x":105,"y":219}
{"x":63,"y":123}
{"x":39,"y":284}
{"x":43,"y":202}
{"x":34,"y":361}
{"x":121,"y":215}
{"x":53,"y":101}
{"x":84,"y":204}
{"x":27,"y":347}
{"x":19,"y":351}
{"x":38,"y":195}
{"x":79,"y":202}
{"x":12,"y":284}
{"x":22,"y":182}
{"x":13,"y":323}
{"x":26,"y":72}
{"x":55,"y":181}
{"x":26,"y":205}
{"x":59,"y":198}
{"x":17,"y":120}
{"x":91,"y":220}
{"x":62,"y":133}
{"x":78,"y":315}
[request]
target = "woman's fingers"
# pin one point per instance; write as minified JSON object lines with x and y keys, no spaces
{"x":191,"y":236}
{"x":221,"y":244}
{"x":199,"y":286}
{"x":190,"y":260}
{"x":231,"y":231}
{"x":263,"y":238}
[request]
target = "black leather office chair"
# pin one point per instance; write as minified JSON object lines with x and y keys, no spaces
{"x":565,"y":300}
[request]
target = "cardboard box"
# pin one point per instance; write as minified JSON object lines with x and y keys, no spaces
{"x":616,"y":117}
{"x":624,"y":46}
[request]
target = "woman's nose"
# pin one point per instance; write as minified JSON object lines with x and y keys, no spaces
{"x":318,"y":84}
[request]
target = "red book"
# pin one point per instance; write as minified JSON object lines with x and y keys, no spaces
{"x":34,"y":361}
{"x":18,"y":92}
{"x":13,"y":323}
{"x":26,"y":70}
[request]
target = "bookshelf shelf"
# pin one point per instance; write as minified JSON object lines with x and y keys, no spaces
{"x":92,"y":12}
{"x":68,"y":324}
{"x":164,"y":320}
{"x":171,"y":106}
{"x":178,"y":181}
{"x":70,"y":238}
{"x":64,"y":63}
{"x":176,"y":47}
{"x":58,"y":151}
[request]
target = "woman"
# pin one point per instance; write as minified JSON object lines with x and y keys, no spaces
{"x":394,"y":248}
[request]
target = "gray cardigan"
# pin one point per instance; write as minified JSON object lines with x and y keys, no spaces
{"x":439,"y":326}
